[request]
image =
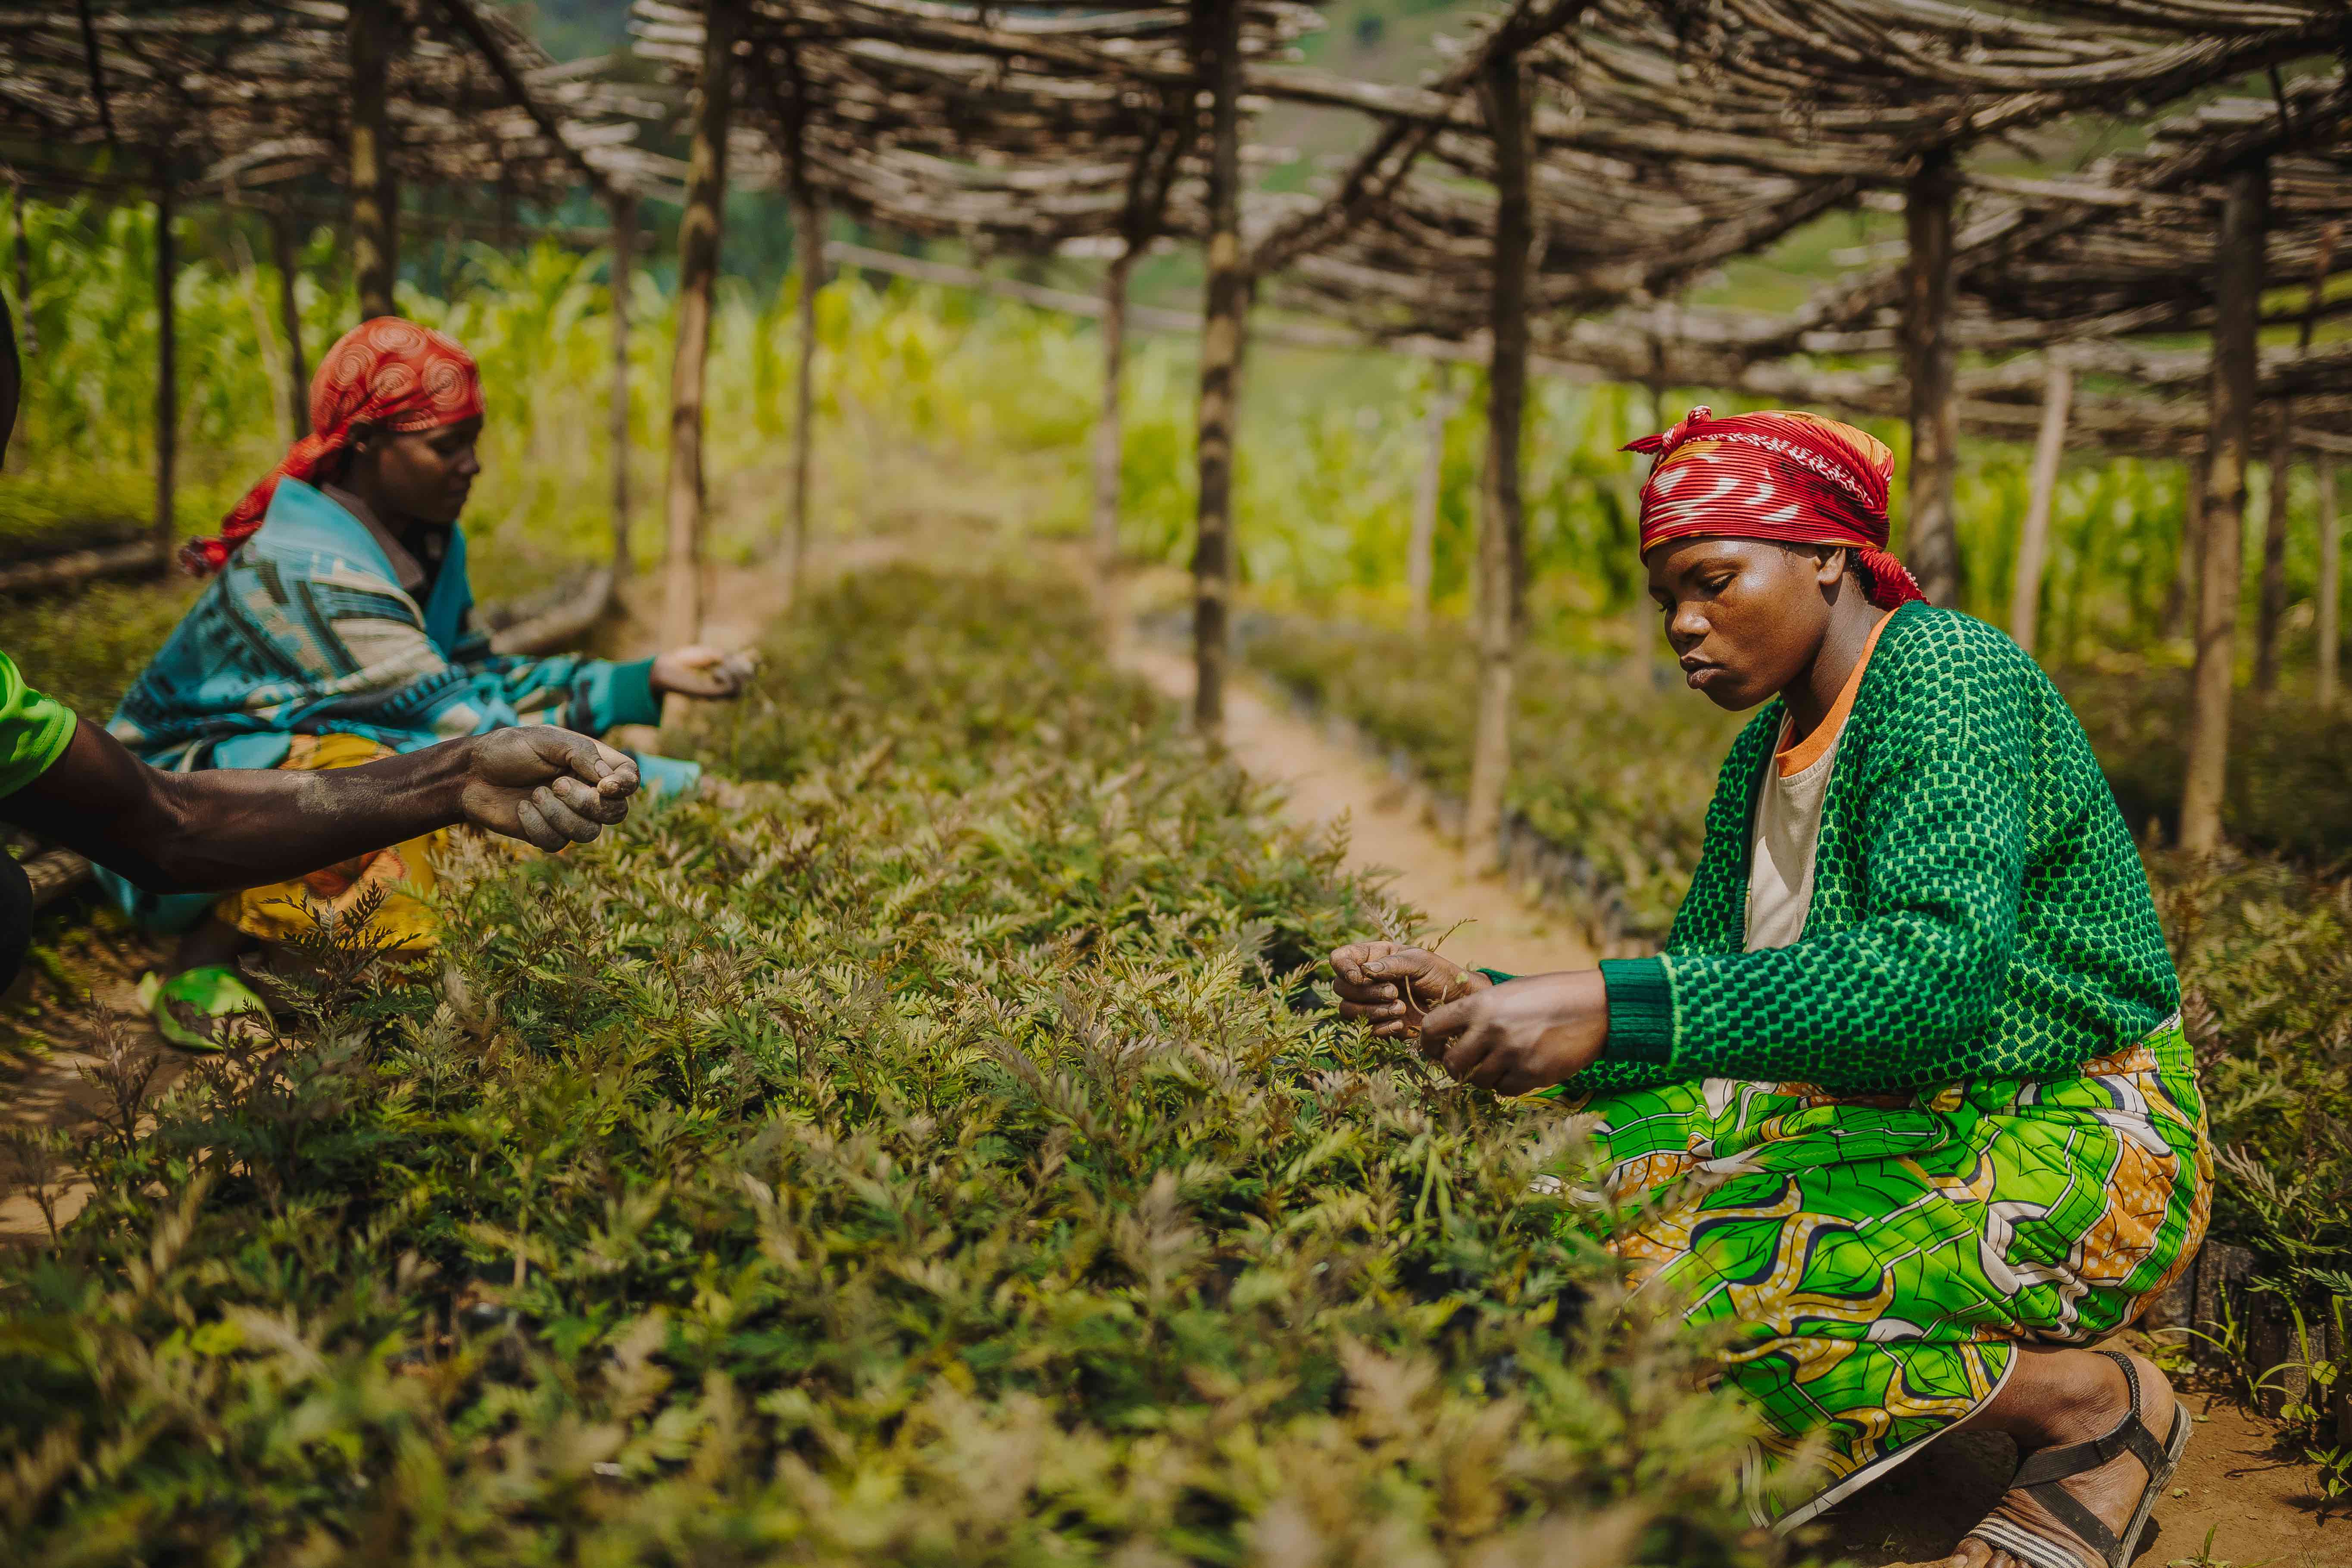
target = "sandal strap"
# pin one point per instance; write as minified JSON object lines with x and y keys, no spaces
{"x":2029,"y":1547}
{"x":2128,"y":1436}
{"x":2069,"y":1511}
{"x":2039,"y":1475}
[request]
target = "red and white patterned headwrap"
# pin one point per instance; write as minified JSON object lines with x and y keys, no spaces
{"x":387,"y":372}
{"x":1798,"y":479}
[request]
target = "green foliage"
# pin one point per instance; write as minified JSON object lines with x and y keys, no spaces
{"x":2265,"y":960}
{"x":2289,"y":785}
{"x":85,"y":648}
{"x":1608,"y":758}
{"x":925,"y":1154}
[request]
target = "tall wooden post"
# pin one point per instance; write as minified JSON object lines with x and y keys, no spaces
{"x":625,"y":255}
{"x":1428,"y":493}
{"x":1218,"y":63}
{"x":1501,"y":520}
{"x":2271,"y":607}
{"x":1930,"y":543}
{"x":2237,"y":306}
{"x":808,"y":225}
{"x":2034,"y":538}
{"x":2330,"y":629}
{"x":167,"y":364}
{"x":374,"y":188}
{"x":285,"y":254}
{"x":697,"y":275}
{"x":1109,"y":432}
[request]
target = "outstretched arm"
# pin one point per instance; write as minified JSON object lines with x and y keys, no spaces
{"x":237,"y":827}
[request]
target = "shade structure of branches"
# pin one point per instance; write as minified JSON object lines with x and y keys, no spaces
{"x":1023,"y":131}
{"x":260,"y":92}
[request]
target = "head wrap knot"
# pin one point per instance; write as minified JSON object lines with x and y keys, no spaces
{"x":388,"y":372}
{"x":1797,"y":478}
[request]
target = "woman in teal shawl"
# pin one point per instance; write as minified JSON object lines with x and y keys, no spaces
{"x":337,"y":630}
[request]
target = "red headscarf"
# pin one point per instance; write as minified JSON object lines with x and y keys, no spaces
{"x":387,"y":372}
{"x":1795,"y":478}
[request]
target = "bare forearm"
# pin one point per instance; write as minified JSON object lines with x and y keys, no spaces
{"x":212,"y":831}
{"x":244,"y":828}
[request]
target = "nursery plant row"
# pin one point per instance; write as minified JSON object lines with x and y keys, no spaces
{"x":933,"y":1150}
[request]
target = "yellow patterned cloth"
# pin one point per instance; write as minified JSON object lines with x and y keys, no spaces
{"x":1873,"y":1261}
{"x":284,"y":910}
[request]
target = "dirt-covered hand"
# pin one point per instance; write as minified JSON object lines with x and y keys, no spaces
{"x":1540,"y":1030}
{"x":1389,"y":985}
{"x":706,"y":672}
{"x":548,"y":786}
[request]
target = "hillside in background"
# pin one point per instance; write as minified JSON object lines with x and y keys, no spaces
{"x":573,"y":28}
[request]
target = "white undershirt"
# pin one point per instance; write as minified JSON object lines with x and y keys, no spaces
{"x":1789,"y":817}
{"x":1788,"y":836}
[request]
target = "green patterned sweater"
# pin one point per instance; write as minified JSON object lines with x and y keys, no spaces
{"x":1978,"y":907}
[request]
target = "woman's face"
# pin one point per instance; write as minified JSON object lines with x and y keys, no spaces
{"x":1745,"y":617}
{"x":424,"y":474}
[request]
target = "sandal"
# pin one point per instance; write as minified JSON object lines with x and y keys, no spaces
{"x":2038,"y":1477}
{"x":196,"y":1007}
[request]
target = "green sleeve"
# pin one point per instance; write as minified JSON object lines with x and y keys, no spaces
{"x":609,"y":694}
{"x":1903,"y":994}
{"x":35,"y":730}
{"x":1616,"y":1069}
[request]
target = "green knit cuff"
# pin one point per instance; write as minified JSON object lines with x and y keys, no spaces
{"x":1641,"y":1010}
{"x":1497,"y":976}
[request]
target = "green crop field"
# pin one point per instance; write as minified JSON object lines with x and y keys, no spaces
{"x":934,"y":1156}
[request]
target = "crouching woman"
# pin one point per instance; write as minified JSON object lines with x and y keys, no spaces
{"x":335,"y":631}
{"x":1904,"y":1109}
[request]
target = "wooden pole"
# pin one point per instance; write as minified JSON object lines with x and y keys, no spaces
{"x":2237,"y":304}
{"x":697,"y":275}
{"x":285,"y":254}
{"x":808,"y":223}
{"x":2270,"y":608}
{"x":1217,"y":62}
{"x":1109,"y":434}
{"x":1501,"y":521}
{"x":374,"y":189}
{"x":2330,"y":629}
{"x":167,"y":364}
{"x":2033,"y":539}
{"x":1930,"y":544}
{"x":624,"y":252}
{"x":1421,"y":546}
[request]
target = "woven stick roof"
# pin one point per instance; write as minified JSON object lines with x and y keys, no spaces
{"x":1029,"y":130}
{"x":258,"y":91}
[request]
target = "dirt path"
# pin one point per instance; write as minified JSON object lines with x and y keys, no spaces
{"x":1327,"y":783}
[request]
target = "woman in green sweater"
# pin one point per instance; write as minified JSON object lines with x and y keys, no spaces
{"x":1904,"y":1107}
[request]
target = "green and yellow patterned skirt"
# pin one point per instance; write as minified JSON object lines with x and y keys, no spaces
{"x":1873,"y":1263}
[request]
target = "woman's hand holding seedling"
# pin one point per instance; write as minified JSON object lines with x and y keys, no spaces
{"x":1392,"y":986}
{"x":704,"y":673}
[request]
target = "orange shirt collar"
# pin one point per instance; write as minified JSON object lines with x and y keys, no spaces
{"x":1796,"y":759}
